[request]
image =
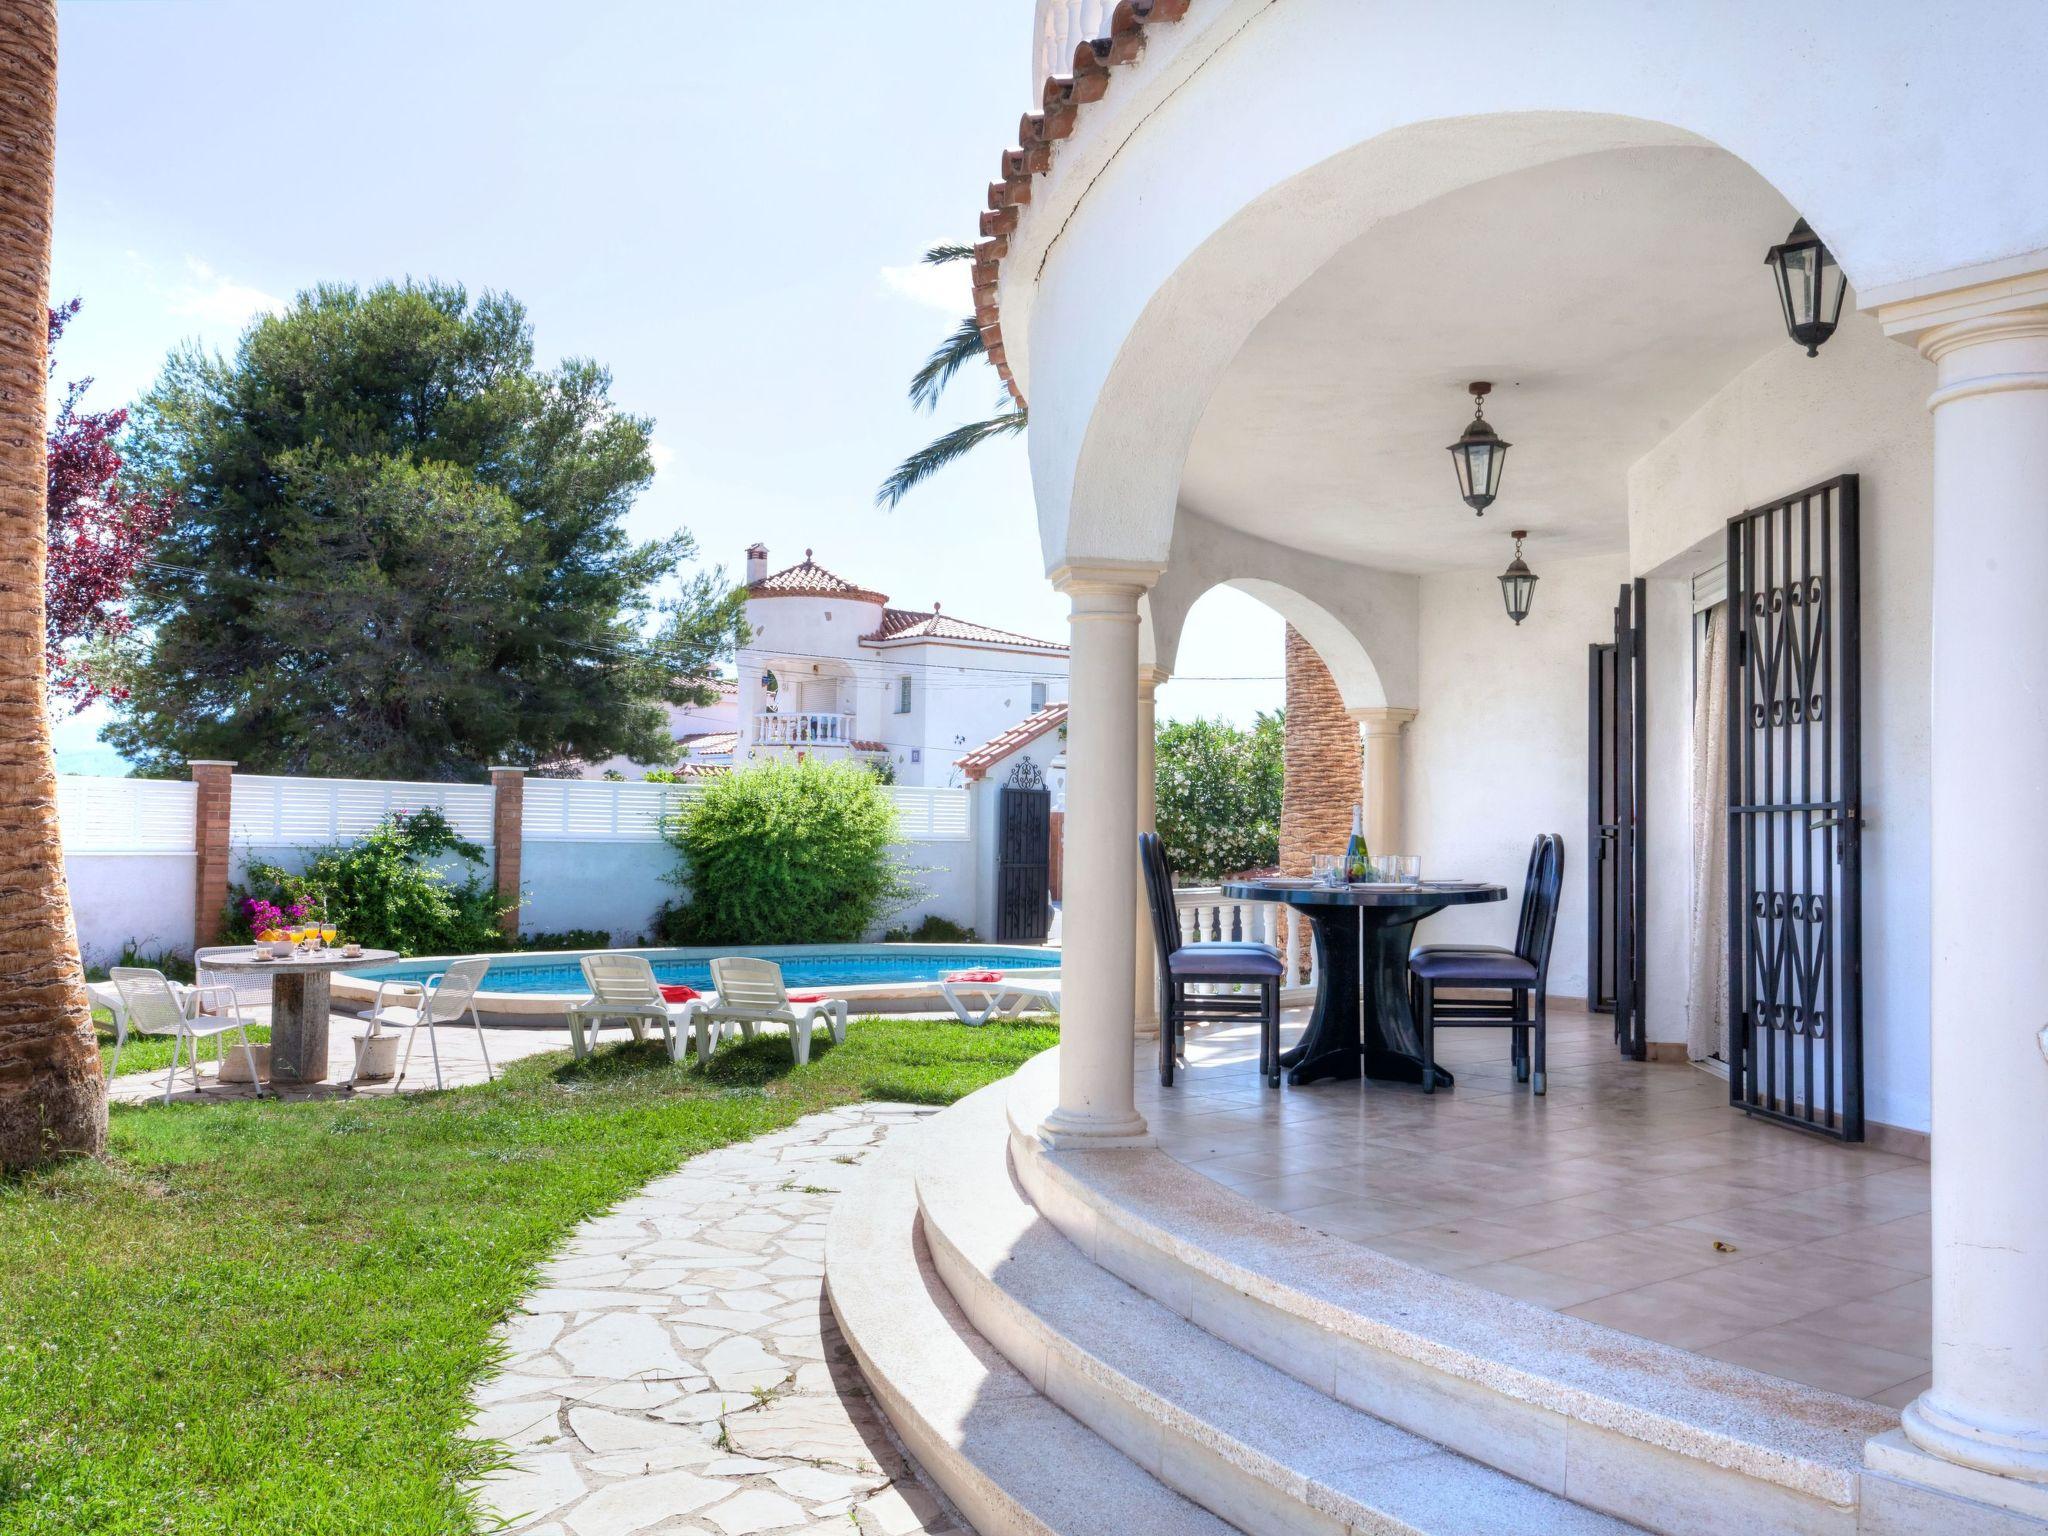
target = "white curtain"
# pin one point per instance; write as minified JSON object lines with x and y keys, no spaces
{"x":1706,"y":993}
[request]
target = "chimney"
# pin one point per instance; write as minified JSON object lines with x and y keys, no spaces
{"x":757,"y":563}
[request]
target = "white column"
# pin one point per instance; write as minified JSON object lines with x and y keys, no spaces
{"x":1147,"y":999}
{"x":1098,"y":954}
{"x":1988,"y":1406}
{"x":1383,"y":789}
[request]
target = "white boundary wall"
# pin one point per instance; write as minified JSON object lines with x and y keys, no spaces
{"x":130,"y":858}
{"x":592,"y":853}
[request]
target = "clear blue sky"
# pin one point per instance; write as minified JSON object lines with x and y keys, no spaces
{"x":723,"y":203}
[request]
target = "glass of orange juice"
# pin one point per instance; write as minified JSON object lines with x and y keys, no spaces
{"x":327,"y":934}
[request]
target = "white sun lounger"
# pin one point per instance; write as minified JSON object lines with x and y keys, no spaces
{"x":1007,"y":997}
{"x":750,"y":993}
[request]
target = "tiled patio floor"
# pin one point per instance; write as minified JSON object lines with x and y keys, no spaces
{"x":1631,"y":1195}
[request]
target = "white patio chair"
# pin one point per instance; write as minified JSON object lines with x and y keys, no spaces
{"x":622,"y":987}
{"x":749,"y":993}
{"x":976,"y":998}
{"x":443,"y":998}
{"x":153,"y":1005}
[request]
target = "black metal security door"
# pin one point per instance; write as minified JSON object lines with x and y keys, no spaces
{"x":1630,"y":681}
{"x":1024,"y":866}
{"x":1795,"y":807}
{"x":1602,"y":828}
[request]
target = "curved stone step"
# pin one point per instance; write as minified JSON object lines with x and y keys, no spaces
{"x":1679,"y":1443}
{"x":1269,"y":1454}
{"x":1011,"y":1462}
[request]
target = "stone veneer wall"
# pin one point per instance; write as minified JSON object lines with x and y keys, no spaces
{"x":1324,"y":762}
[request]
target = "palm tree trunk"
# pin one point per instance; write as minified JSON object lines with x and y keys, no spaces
{"x":52,"y":1094}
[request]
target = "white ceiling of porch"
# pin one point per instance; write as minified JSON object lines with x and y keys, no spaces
{"x":1607,"y":298}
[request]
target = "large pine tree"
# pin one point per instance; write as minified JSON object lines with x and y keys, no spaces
{"x":397,"y":551}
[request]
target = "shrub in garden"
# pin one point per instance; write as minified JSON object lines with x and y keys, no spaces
{"x":785,"y":853}
{"x":934,"y":929}
{"x":383,"y":890}
{"x":1219,"y":795}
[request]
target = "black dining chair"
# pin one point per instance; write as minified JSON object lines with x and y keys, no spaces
{"x":1186,"y":966}
{"x":1507,"y":981}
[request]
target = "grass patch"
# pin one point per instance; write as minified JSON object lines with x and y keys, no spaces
{"x":257,"y":1316}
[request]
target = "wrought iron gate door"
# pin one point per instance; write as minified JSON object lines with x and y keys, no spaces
{"x":1602,"y":829}
{"x":1795,"y":975}
{"x":1627,"y":847}
{"x":1024,"y":866}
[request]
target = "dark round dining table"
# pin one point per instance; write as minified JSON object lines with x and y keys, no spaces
{"x":1361,"y":1025}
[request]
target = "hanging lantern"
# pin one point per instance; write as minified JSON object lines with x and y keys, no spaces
{"x":1518,"y":582}
{"x":1810,"y":287}
{"x":1479,"y":454}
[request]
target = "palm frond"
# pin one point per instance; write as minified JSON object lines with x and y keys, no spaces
{"x":944,"y":449}
{"x":940,"y":254}
{"x":930,"y":381}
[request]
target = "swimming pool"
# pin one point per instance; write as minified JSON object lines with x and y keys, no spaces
{"x":536,"y":986}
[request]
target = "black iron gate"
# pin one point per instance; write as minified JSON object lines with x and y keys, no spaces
{"x":1614,"y":824}
{"x":1024,"y":866}
{"x":1602,"y":827}
{"x":1795,"y":806}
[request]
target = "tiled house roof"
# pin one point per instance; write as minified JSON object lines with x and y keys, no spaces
{"x":811,"y":580}
{"x":713,"y":744}
{"x":984,"y":757}
{"x":911,"y":624}
{"x":1062,"y":98}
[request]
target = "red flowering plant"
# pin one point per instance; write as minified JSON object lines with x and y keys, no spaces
{"x":101,"y":531}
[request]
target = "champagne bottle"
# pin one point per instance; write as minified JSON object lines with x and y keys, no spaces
{"x":1356,"y":854}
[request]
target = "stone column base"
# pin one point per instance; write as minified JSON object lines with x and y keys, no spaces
{"x":1911,"y":1492}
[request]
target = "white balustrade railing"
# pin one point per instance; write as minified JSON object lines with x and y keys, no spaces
{"x":1206,"y":916}
{"x":1057,"y":29}
{"x":110,"y":815}
{"x":275,"y":809}
{"x":803,"y":730}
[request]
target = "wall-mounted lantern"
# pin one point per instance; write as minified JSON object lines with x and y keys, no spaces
{"x":1810,"y":287}
{"x":1518,"y":582}
{"x":1479,"y":454}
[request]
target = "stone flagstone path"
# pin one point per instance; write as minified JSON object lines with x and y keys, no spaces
{"x":680,"y":1370}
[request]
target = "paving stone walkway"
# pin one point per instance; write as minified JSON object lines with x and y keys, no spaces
{"x":680,"y":1370}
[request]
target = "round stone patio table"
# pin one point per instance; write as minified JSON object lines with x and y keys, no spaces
{"x":298,"y":1003}
{"x":1361,"y":1025}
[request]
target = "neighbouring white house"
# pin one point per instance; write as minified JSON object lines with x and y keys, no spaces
{"x":1734,"y":316}
{"x":832,"y":669}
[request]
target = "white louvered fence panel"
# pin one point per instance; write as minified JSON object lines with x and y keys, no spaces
{"x":276,"y":809}
{"x":599,"y":810}
{"x":108,"y":815}
{"x":931,"y":815}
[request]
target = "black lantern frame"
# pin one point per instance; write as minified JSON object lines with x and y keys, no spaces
{"x":1518,"y":582}
{"x":1480,"y":453}
{"x":1811,"y":284}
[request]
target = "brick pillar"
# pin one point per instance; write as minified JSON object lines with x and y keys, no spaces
{"x":215,"y":782}
{"x":1324,"y":763}
{"x":508,"y":822}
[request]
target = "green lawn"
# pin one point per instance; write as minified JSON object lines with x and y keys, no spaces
{"x":256,"y":1316}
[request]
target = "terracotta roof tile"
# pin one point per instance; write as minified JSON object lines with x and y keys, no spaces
{"x":714,"y":744}
{"x":914,"y":624}
{"x":977,"y":763}
{"x":810,"y":579}
{"x":1060,"y":100}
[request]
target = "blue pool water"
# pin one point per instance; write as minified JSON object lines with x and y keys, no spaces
{"x":868,"y":965}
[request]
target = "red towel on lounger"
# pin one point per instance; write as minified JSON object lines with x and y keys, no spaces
{"x":983,"y":976}
{"x":680,"y":994}
{"x":807,"y":997}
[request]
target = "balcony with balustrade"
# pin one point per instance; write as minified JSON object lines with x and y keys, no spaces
{"x":808,"y":729}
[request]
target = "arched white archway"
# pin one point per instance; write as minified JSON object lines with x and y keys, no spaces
{"x":1254,"y":141}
